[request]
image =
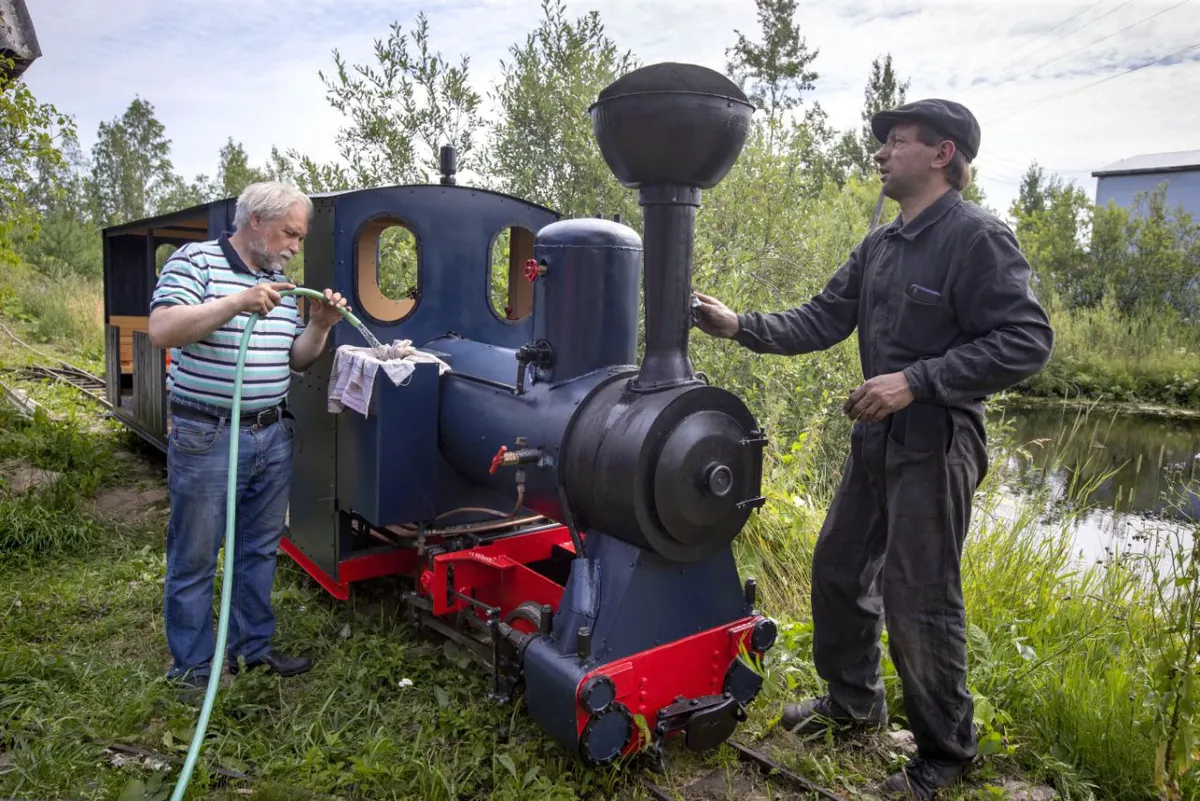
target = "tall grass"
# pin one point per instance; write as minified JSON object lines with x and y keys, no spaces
{"x":1102,"y":353}
{"x":1085,"y":674}
{"x":60,"y":310}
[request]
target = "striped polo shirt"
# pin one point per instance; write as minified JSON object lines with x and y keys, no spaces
{"x":202,"y":372}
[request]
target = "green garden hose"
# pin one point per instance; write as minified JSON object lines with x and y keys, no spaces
{"x":214,"y":678}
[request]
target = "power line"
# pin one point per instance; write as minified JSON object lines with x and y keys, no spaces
{"x":1101,"y":39}
{"x":1080,"y":28}
{"x":1006,"y":159}
{"x":1056,"y":27}
{"x":1181,"y":52}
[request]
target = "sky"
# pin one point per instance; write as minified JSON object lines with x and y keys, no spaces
{"x":1072,"y":85}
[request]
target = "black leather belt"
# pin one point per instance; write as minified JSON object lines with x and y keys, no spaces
{"x":262,"y":418}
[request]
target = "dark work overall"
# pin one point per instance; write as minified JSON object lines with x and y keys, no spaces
{"x":891,"y":550}
{"x":944,"y":299}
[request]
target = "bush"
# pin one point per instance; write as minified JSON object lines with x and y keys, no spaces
{"x":1150,"y":356}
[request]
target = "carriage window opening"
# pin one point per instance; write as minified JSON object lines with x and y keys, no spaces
{"x":294,"y":269}
{"x":510,"y":293}
{"x":388,"y":276}
{"x":161,"y":254}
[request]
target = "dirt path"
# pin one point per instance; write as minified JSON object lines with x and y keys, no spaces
{"x":141,"y":498}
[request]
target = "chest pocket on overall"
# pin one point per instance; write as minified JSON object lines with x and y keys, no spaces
{"x":922,"y":318}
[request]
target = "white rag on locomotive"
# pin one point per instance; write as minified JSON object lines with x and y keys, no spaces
{"x":596,"y":502}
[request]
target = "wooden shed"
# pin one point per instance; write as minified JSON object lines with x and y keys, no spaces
{"x":136,"y":371}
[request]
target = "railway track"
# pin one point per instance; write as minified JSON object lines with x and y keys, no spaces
{"x":82,"y":380}
{"x":754,"y":761}
{"x":91,"y":385}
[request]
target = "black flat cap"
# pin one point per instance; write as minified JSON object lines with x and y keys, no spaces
{"x":951,"y":120}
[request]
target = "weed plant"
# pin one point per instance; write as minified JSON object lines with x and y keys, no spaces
{"x":1101,"y":353}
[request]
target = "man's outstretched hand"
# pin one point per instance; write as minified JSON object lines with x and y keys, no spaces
{"x":877,"y":398}
{"x":714,"y":318}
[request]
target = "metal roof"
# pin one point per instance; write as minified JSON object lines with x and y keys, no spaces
{"x":192,"y":217}
{"x":18,"y":39}
{"x":1178,"y":161}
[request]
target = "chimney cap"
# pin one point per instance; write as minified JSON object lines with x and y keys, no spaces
{"x":671,"y":123}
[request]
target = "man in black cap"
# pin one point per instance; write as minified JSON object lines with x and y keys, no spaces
{"x":945,"y":317}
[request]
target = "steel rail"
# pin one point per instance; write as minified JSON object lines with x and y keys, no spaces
{"x":764,"y":764}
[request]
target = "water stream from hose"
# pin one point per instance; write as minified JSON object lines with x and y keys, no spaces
{"x":374,"y":343}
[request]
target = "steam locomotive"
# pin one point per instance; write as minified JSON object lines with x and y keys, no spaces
{"x":564,"y":513}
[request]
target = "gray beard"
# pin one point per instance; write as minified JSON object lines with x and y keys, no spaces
{"x":264,"y":260}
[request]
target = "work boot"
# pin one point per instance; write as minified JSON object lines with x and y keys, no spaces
{"x":922,"y":778}
{"x":190,"y":687}
{"x":276,"y":662}
{"x":818,"y":715}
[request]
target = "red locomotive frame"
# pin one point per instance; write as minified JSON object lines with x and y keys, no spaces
{"x":496,"y":574}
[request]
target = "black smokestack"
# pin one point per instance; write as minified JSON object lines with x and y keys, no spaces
{"x":670,"y":130}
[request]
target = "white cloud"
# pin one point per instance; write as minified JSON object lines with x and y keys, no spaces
{"x":248,"y":68}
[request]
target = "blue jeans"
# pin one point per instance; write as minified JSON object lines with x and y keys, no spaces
{"x":197,"y":473}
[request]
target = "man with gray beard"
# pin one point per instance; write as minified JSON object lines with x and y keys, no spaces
{"x":204,"y":298}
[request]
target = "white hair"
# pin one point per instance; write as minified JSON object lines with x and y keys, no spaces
{"x":268,"y":200}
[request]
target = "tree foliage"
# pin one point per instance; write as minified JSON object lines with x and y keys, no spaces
{"x":774,"y":73}
{"x":234,"y":172}
{"x":542,"y":145}
{"x":30,"y":158}
{"x":307,"y":173}
{"x":131,"y":166}
{"x":1142,"y":258}
{"x":402,"y":110}
{"x":883,"y":91}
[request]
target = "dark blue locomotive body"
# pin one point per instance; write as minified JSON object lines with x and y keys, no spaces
{"x":572,"y":508}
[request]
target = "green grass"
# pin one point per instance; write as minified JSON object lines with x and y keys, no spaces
{"x":63,"y":312}
{"x":95,"y":676}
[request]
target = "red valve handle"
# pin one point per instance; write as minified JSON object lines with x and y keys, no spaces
{"x":498,"y":459}
{"x":533,"y":269}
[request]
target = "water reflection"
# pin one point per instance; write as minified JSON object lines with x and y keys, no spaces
{"x":1133,"y":475}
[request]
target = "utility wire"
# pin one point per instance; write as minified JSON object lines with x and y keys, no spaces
{"x":1101,"y":39}
{"x":1051,"y":30}
{"x":1094,"y":83}
{"x":1085,"y":25}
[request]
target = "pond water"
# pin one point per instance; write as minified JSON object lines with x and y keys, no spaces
{"x":1119,"y":477}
